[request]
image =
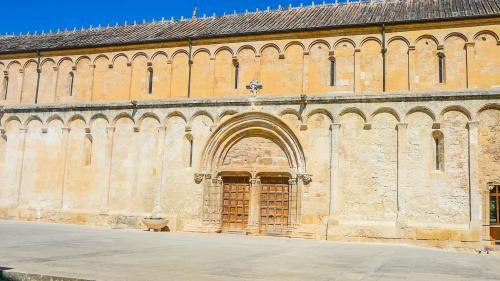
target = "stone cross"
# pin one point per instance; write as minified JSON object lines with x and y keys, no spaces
{"x":254,"y":87}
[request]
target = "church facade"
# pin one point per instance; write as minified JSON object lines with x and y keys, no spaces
{"x":376,"y":121}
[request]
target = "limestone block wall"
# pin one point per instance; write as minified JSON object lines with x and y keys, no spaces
{"x":286,"y":64}
{"x":372,"y":161}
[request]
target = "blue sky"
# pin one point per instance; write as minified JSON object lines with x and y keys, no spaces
{"x":29,"y":15}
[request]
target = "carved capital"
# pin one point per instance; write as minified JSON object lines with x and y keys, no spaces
{"x":2,"y":131}
{"x":198,"y":178}
{"x":305,"y":178}
{"x":217,"y":181}
{"x":87,"y":130}
{"x":436,"y":126}
{"x":254,"y":181}
{"x":44,"y":130}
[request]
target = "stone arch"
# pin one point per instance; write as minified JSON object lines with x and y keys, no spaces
{"x":270,"y":45}
{"x":319,"y":111}
{"x":30,"y":119}
{"x":427,"y":36}
{"x":47,"y":60}
{"x":355,"y":111}
{"x":139,"y":54}
{"x":176,"y":114}
{"x":151,"y":115}
{"x":63,"y":60}
{"x":179,"y":51}
{"x":53,"y":118}
{"x":100,"y":57}
{"x":120,"y":55}
{"x":344,"y":40}
{"x":404,"y":39}
{"x":388,"y":110}
{"x":12,"y":63}
{"x":200,"y":113}
{"x":371,"y":38}
{"x":98,"y":116}
{"x":292,"y":112}
{"x":224,"y":48}
{"x":494,"y":106}
{"x":255,"y":124}
{"x":489,"y":32}
{"x":456,"y":34}
{"x":458,"y":108}
{"x":202,"y":50}
{"x":422,"y":109}
{"x":73,"y":118}
{"x":77,"y":61}
{"x":158,"y":54}
{"x":249,"y":47}
{"x":10,"y":118}
{"x":318,"y":41}
{"x":225,"y":113}
{"x":123,"y":115}
{"x":294,"y":43}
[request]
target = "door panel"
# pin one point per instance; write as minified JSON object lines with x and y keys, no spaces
{"x":274,"y":205}
{"x":235,"y":205}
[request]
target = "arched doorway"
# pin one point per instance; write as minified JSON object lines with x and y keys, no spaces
{"x":253,"y":171}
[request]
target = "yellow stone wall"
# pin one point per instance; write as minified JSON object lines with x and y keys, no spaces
{"x":286,"y":64}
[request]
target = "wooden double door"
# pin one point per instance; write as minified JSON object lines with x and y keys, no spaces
{"x":273,"y":199}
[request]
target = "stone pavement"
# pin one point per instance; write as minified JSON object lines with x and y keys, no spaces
{"x":111,"y":254}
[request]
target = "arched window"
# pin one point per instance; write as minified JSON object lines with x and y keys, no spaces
{"x":87,"y":153}
{"x":236,"y":73}
{"x":332,"y":71}
{"x":150,"y":80}
{"x":71,"y":78}
{"x":5,"y":87}
{"x":438,"y":150}
{"x":442,"y":67}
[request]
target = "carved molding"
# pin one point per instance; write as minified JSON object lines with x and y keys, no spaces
{"x":305,"y":178}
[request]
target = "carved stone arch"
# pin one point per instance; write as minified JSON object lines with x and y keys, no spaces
{"x":458,"y":108}
{"x":343,"y":40}
{"x":319,"y":41}
{"x":489,"y":32}
{"x":176,"y":114}
{"x":138,"y":54}
{"x":98,"y":116}
{"x":323,"y":111}
{"x":200,"y":113}
{"x":250,"y":124}
{"x":427,"y":36}
{"x":388,"y":110}
{"x":224,"y":114}
{"x":148,"y":115}
{"x":6,"y":120}
{"x":400,"y":38}
{"x":494,"y":106}
{"x":354,"y":110}
{"x":370,"y":38}
{"x":456,"y":34}
{"x":73,"y":118}
{"x":223,"y":48}
{"x":294,"y":43}
{"x":123,"y":115}
{"x":179,"y":51}
{"x":99,"y":57}
{"x":292,"y":112}
{"x":120,"y":55}
{"x":47,"y":60}
{"x":13,"y":63}
{"x":202,"y":50}
{"x":53,"y":118}
{"x":250,"y":47}
{"x":28,"y":62}
{"x":77,"y":61}
{"x":422,"y":109}
{"x":269,"y":45}
{"x":153,"y":57}
{"x":2,"y":64}
{"x":64,"y":59}
{"x":30,"y":119}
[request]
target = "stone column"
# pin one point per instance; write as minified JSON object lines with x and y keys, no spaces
{"x":162,"y":135}
{"x":475,"y":196}
{"x":469,"y":49}
{"x":293,"y":210}
{"x":107,"y":179}
{"x":65,"y":132}
{"x":254,"y":208}
{"x":305,"y":73}
{"x":334,"y":169}
{"x":411,"y":68}
{"x":402,"y":151}
{"x":216,"y":198}
{"x":20,"y":163}
{"x":357,"y":71}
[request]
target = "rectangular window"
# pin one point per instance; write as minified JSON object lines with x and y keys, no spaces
{"x":441,"y":69}
{"x":495,"y":205}
{"x":332,"y":72}
{"x":150,"y":81}
{"x":236,"y":74}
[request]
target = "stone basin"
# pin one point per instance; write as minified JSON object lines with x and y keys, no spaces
{"x":155,"y":224}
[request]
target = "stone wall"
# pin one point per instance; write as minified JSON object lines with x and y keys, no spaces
{"x":371,"y":160}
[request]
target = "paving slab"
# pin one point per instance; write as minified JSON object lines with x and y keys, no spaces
{"x":92,"y":253}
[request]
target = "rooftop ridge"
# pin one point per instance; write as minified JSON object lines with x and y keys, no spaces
{"x":204,"y":17}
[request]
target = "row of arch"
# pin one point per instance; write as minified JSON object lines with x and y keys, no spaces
{"x":218,"y":118}
{"x":289,"y":69}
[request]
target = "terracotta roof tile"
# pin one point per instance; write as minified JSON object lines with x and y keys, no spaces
{"x":285,"y":20}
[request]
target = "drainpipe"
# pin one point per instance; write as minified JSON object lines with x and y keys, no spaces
{"x":384,"y":50}
{"x":190,"y":63}
{"x":38,"y":70}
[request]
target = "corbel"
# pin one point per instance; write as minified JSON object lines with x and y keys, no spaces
{"x":436,"y":126}
{"x":367,"y":126}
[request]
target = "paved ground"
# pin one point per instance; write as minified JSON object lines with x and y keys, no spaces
{"x":110,"y":254}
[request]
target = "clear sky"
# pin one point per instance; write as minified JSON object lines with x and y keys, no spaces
{"x":24,"y":16}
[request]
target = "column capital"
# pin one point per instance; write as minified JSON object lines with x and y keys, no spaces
{"x":255,"y":180}
{"x":66,"y":129}
{"x":474,"y":124}
{"x":335,"y":126}
{"x":305,"y":178}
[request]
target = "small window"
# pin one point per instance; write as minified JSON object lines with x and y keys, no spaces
{"x":495,"y":204}
{"x":71,"y":80}
{"x":5,"y":87}
{"x":438,"y":150}
{"x":332,"y":71}
{"x":150,"y":80}
{"x":442,"y":68}
{"x":188,"y":150}
{"x":236,"y":72}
